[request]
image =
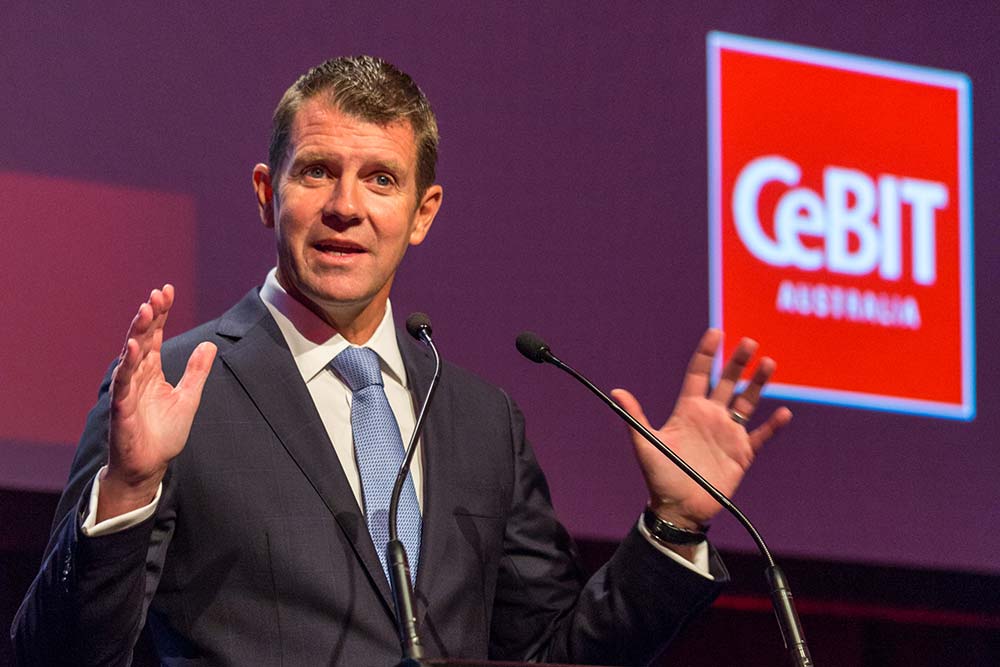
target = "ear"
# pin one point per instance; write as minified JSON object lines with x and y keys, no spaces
{"x":265,"y":195}
{"x":426,"y":210}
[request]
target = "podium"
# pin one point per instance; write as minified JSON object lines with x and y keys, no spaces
{"x":458,"y":662}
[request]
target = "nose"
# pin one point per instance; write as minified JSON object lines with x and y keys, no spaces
{"x":342,"y":207}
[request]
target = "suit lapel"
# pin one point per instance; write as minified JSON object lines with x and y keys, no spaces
{"x":261,"y":361}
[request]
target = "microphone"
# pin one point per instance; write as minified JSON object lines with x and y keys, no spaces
{"x":534,"y":348}
{"x":418,"y":325}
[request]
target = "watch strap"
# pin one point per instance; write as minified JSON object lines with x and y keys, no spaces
{"x":670,"y":533}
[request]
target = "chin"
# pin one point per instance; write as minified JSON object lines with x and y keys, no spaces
{"x":332,"y":299}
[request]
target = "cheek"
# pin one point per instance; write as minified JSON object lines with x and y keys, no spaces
{"x":397,"y":221}
{"x":290,"y":226}
{"x":296,"y":206}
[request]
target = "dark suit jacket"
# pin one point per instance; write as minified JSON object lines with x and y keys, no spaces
{"x":258,"y":553}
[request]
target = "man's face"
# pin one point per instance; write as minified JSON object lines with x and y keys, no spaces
{"x":344,"y":210}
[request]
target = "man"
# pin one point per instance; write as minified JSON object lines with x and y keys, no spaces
{"x":222,"y":493}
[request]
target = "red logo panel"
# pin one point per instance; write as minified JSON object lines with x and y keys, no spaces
{"x":841,"y":223}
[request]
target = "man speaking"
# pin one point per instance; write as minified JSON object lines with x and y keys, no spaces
{"x":230,"y":488}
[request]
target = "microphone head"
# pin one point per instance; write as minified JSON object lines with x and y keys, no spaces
{"x":419,"y":325}
{"x":533,"y":347}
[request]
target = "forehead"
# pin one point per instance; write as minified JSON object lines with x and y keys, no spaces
{"x":320,"y":126}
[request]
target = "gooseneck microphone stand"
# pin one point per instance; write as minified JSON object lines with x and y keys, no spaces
{"x":419,"y":326}
{"x":535,"y":349}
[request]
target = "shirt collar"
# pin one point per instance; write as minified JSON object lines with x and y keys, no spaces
{"x":314,"y":343}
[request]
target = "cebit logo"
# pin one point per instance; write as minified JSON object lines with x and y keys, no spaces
{"x":841,"y":223}
{"x":851,"y":205}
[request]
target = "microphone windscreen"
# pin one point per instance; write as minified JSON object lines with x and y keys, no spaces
{"x":532,"y":346}
{"x":418,"y":322}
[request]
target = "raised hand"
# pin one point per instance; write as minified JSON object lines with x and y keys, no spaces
{"x":150,"y":418}
{"x":707,"y":429}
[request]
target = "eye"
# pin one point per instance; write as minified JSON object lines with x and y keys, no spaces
{"x":383,"y":180}
{"x":314,"y":171}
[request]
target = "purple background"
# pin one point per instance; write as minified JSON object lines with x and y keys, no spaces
{"x":573,"y":159}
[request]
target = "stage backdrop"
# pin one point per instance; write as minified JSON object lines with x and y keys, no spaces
{"x":574,"y":159}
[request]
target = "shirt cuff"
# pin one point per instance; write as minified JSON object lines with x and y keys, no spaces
{"x":91,"y":528}
{"x":700,"y":562}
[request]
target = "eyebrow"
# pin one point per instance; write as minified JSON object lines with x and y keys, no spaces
{"x":393,"y":166}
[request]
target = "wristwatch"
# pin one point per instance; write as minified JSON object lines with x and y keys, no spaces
{"x":669,"y":533}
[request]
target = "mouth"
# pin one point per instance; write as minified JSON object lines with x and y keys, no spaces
{"x":337,"y":247}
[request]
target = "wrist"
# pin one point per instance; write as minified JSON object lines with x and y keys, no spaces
{"x":117,"y":496}
{"x":671,"y":532}
{"x":672,"y":513}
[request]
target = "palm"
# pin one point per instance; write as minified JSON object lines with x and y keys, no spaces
{"x":151,"y":422}
{"x":701,"y":430}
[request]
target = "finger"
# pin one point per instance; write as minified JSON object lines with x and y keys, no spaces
{"x":699,"y":371}
{"x":778,"y":420}
{"x":745,"y":402}
{"x":733,"y":369}
{"x":141,"y":322}
{"x":196,"y":372}
{"x":122,"y":377}
{"x":160,"y":300}
{"x":168,"y":295}
{"x":630,"y":404}
{"x":139,"y":329}
{"x":154,"y":336}
{"x":147,"y":327}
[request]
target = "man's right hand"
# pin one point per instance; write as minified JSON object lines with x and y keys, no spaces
{"x":150,"y":419}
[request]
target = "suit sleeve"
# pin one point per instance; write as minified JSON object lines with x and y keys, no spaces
{"x":625,"y":614}
{"x":87,"y":604}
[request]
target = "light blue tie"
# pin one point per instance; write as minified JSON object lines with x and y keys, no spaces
{"x":378,"y":448}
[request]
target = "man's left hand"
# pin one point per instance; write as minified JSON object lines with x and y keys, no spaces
{"x":704,"y":431}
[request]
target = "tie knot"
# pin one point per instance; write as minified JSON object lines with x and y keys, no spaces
{"x":359,"y":367}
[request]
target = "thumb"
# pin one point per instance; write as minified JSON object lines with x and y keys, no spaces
{"x":196,"y":373}
{"x":630,"y":404}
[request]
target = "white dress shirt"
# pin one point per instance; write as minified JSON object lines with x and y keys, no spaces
{"x":314,"y":344}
